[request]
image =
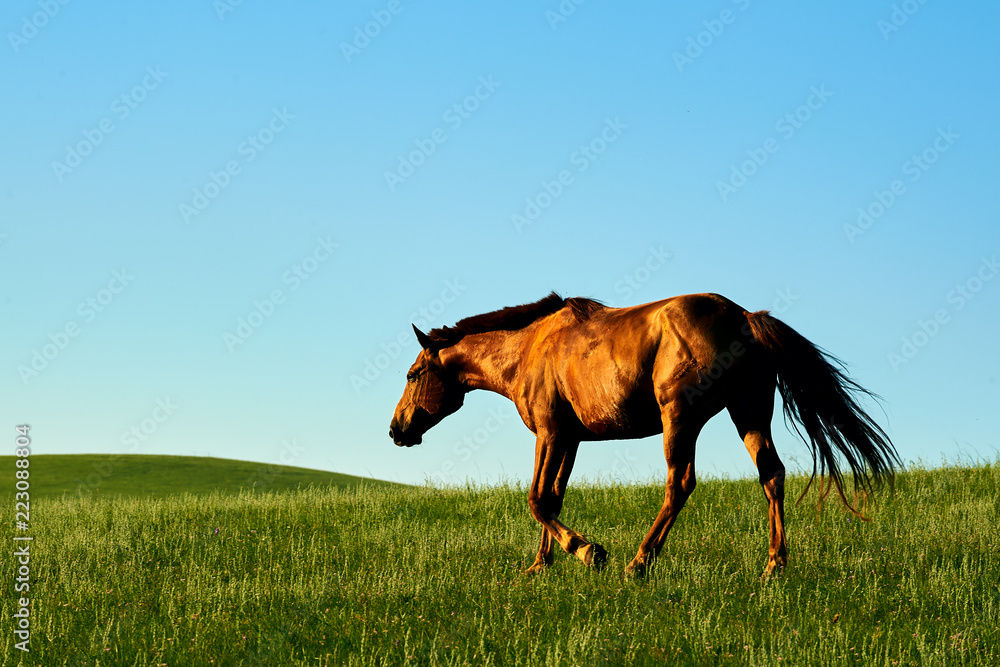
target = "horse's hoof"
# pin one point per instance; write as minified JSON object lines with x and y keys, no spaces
{"x":635,"y":570}
{"x":594,"y":555}
{"x":535,"y":568}
{"x":773,"y":570}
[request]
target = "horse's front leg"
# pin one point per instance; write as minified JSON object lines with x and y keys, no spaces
{"x":545,"y":555}
{"x":554,"y":460}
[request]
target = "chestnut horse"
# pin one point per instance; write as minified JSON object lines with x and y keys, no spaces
{"x":577,"y":370}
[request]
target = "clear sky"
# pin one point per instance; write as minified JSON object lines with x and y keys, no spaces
{"x":215,"y":217}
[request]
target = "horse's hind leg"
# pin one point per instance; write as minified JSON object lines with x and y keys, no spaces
{"x":553,"y":464}
{"x":752,"y":417}
{"x":679,"y":436}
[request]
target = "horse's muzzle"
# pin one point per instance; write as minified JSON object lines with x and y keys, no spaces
{"x":400,"y":437}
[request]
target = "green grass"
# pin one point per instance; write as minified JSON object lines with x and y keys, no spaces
{"x":140,"y":475}
{"x":387,"y":575}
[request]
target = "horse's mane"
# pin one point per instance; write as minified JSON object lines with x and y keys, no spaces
{"x":513,"y":318}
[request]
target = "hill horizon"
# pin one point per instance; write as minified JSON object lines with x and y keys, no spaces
{"x":164,"y":475}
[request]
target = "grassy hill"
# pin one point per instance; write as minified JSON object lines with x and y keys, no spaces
{"x":158,"y":476}
{"x":393,"y":575}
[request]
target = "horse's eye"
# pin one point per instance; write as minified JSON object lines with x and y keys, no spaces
{"x":410,"y":377}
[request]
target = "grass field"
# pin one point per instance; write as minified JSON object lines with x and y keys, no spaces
{"x":386,"y":575}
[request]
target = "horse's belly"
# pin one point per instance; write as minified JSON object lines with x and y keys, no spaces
{"x":630,"y":432}
{"x":611,"y":391}
{"x":637,"y":417}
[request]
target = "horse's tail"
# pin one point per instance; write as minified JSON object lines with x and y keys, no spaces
{"x":819,"y":397}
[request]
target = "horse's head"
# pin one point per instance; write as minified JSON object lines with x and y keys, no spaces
{"x":432,"y":393}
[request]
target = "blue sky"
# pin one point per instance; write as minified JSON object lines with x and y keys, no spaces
{"x":216,"y":217}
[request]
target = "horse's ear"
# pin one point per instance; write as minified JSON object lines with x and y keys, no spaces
{"x":424,"y":340}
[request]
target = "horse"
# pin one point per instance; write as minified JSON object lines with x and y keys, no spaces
{"x":578,"y":370}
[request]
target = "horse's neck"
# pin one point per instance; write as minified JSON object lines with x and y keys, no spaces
{"x":487,"y":360}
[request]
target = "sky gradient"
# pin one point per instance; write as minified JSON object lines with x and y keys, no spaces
{"x":218,"y":220}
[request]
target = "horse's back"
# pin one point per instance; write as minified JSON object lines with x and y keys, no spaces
{"x":616,"y":365}
{"x":703,"y":324}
